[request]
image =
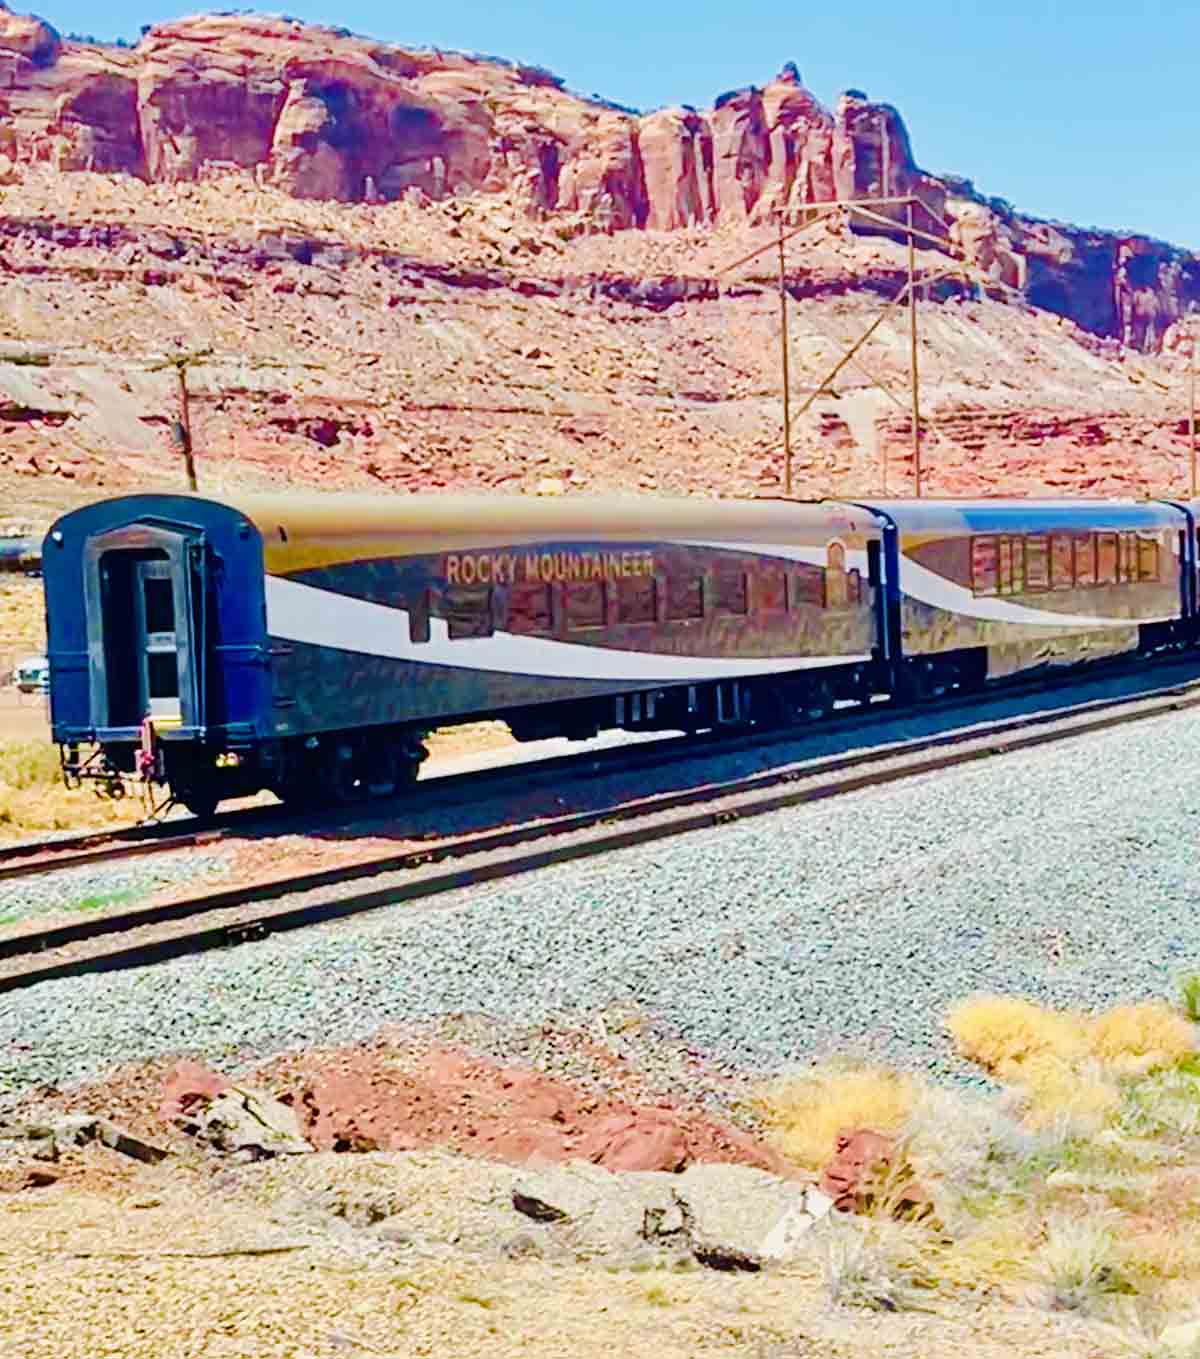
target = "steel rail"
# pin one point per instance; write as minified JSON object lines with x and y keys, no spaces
{"x":653,"y":818}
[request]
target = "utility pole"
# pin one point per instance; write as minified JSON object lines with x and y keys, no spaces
{"x":783,"y":342}
{"x":185,"y":427}
{"x":183,"y":432}
{"x":912,"y":337}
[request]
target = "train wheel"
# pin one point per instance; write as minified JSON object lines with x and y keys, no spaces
{"x":818,"y":700}
{"x":200,"y":801}
{"x":348,"y":775}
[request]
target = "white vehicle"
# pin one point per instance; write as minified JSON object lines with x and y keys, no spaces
{"x":32,"y":676}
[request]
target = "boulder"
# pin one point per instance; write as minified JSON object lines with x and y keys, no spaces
{"x":724,"y":1216}
{"x":245,"y":1122}
{"x":601,"y":1215}
{"x":742,"y":1218}
{"x":641,"y":1139}
{"x":863,"y":1167}
{"x":54,"y":1136}
{"x":188,"y":1084}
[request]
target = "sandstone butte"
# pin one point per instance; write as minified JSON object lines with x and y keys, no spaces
{"x":420,"y":269}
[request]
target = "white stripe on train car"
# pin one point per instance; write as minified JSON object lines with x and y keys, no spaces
{"x":926,"y":586}
{"x":305,"y":613}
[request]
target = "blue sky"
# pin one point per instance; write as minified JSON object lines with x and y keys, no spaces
{"x":1085,"y":112}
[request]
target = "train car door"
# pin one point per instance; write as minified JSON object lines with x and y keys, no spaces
{"x":155,"y":642}
{"x":146,"y":589}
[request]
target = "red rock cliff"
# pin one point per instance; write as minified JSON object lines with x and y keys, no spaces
{"x":324,"y":115}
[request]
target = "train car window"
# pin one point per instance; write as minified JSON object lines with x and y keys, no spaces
{"x":985,"y":575}
{"x":162,"y":674}
{"x":806,"y":586}
{"x":854,"y":590}
{"x":1129,"y":558}
{"x":1106,"y":559}
{"x":770,"y":590}
{"x":468,"y":611}
{"x":585,"y":604}
{"x":160,"y":605}
{"x":529,"y":609}
{"x":418,"y":618}
{"x":1147,"y":557}
{"x":1062,"y":562}
{"x":685,"y":598}
{"x":1085,"y":560}
{"x":637,"y":599}
{"x":1037,"y":562}
{"x":729,"y":590}
{"x":1018,"y":566}
{"x":1004,"y":564}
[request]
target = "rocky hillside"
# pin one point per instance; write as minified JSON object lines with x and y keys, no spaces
{"x":421,"y":268}
{"x":321,"y":114}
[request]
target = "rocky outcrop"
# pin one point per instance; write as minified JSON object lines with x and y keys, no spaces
{"x":322,"y":114}
{"x":25,"y":38}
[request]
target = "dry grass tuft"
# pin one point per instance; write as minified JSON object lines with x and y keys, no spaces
{"x":1080,"y":1265}
{"x":32,"y":796}
{"x":805,"y":1113}
{"x":881,"y":1266}
{"x":1134,"y":1039}
{"x":1067,"y":1065}
{"x":996,"y":1250}
{"x":1002,"y":1033}
{"x":1073,"y":1100}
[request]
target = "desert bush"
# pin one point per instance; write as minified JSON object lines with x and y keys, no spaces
{"x":804,"y":1113}
{"x":1165,"y":1103}
{"x":1003,"y":1033}
{"x":995,"y":1249}
{"x":879,"y":1265}
{"x":1066,"y":1099}
{"x":969,"y":1153}
{"x":28,"y":764}
{"x":1189,"y":995}
{"x":1067,"y":1066}
{"x":1079,"y":1264}
{"x":1137,"y":1038}
{"x":32,"y":796}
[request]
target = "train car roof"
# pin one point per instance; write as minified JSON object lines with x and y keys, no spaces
{"x":340,"y":511}
{"x":1026,"y":516}
{"x":303,"y":530}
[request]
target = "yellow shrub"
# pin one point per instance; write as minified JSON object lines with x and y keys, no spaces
{"x":1080,"y":1097}
{"x":1136,"y":1038}
{"x":32,"y":796}
{"x":1159,"y":1254}
{"x":805,"y":1113}
{"x":1002,"y":1033}
{"x":997,"y":1249}
{"x":29,"y":764}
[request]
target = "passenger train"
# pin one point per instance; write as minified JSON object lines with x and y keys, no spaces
{"x":309,"y":644}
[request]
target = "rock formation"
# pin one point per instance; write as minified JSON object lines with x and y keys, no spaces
{"x":322,"y":114}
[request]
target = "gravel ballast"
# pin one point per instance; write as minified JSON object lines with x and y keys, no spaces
{"x":91,"y":888}
{"x":1067,"y":874}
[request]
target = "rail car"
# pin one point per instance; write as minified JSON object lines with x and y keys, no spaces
{"x":308,"y":644}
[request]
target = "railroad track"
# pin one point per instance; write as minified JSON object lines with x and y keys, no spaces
{"x":233,"y":916}
{"x":31,"y":859}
